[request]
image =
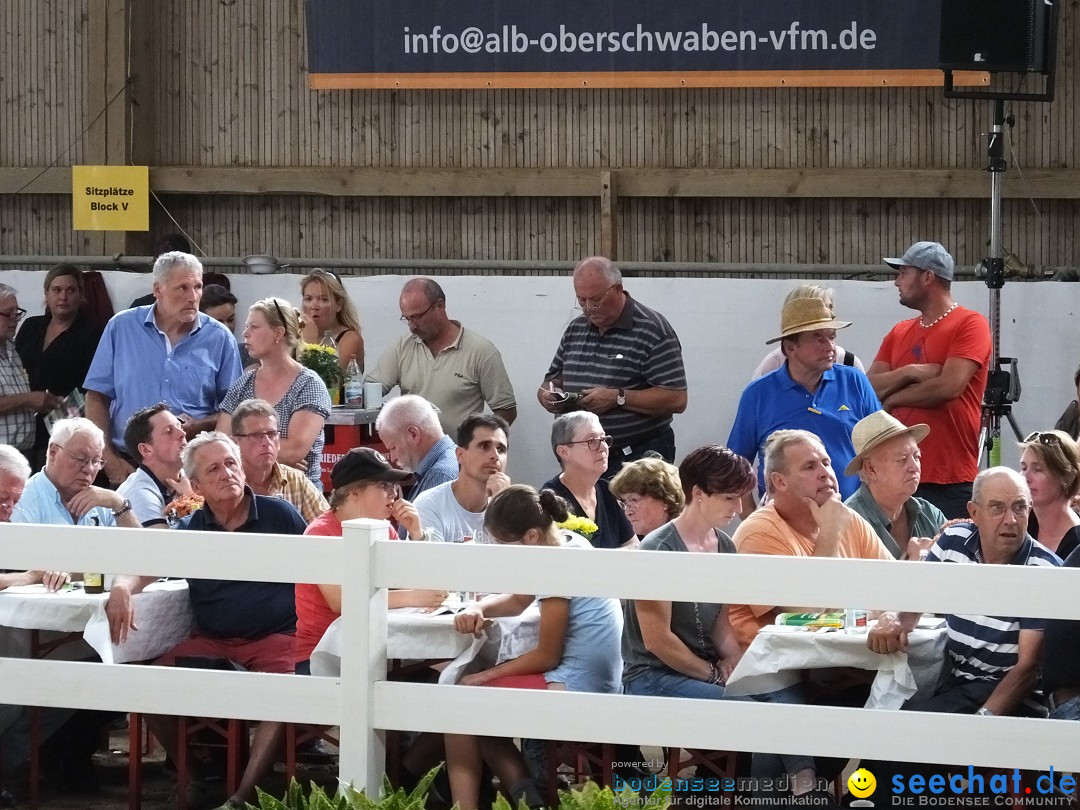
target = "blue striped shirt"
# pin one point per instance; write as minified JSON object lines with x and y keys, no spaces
{"x":985,"y":648}
{"x":639,"y":351}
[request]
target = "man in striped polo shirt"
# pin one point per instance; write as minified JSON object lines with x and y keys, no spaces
{"x":620,"y":360}
{"x":993,"y":660}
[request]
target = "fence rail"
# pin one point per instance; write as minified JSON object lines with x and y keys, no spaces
{"x":364,"y":704}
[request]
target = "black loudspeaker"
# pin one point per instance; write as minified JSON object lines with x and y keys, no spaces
{"x":999,"y":36}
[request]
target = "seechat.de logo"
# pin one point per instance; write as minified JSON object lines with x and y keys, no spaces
{"x":861,"y":785}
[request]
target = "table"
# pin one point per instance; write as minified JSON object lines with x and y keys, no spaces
{"x":777,"y":654}
{"x":162,"y":611}
{"x":347,"y":427}
{"x":415,"y":635}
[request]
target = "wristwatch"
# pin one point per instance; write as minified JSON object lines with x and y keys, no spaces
{"x":982,"y":711}
{"x":123,"y":510}
{"x":620,"y":400}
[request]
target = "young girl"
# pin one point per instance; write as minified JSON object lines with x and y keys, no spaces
{"x":579,"y":647}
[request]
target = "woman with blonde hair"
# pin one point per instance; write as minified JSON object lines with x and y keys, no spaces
{"x":1050,"y":464}
{"x":328,"y":308}
{"x":299,"y":396}
{"x":774,"y":359}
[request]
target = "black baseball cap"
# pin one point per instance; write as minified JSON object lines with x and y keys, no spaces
{"x":364,"y":464}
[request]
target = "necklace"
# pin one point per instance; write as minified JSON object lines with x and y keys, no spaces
{"x":940,"y":318}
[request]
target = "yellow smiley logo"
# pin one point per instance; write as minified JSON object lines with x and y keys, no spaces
{"x":861,"y":783}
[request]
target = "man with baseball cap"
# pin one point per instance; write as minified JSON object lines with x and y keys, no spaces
{"x":808,"y":392}
{"x":932,"y":369}
{"x":887,"y":460}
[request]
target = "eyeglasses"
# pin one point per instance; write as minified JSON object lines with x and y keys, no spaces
{"x":94,"y":464}
{"x":997,"y":508}
{"x":389,"y":487}
{"x":595,"y":303}
{"x":417,"y":318}
{"x":1047,"y":438}
{"x":15,"y":315}
{"x":631,"y":502}
{"x":259,"y":435}
{"x":594,"y":444}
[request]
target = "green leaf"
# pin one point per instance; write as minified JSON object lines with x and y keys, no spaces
{"x":268,"y":802}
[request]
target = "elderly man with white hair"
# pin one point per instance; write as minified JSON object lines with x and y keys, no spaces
{"x":888,"y":463}
{"x":415,"y":441}
{"x":63,"y":493}
{"x":14,"y":470}
{"x":167,"y":352}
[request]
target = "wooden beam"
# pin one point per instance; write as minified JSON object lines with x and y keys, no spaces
{"x":643,"y":78}
{"x":609,"y":216}
{"x":1041,"y":184}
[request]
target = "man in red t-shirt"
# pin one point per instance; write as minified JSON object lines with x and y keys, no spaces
{"x":932,"y":369}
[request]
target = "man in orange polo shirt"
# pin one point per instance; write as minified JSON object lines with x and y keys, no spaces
{"x":805,"y":518}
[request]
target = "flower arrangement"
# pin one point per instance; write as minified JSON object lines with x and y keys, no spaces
{"x":182,"y":506}
{"x":582,"y":525}
{"x":323,"y":360}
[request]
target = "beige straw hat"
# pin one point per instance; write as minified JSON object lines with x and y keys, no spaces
{"x":805,"y":315}
{"x":876,"y":429}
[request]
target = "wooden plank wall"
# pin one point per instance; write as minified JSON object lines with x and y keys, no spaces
{"x":223,"y":85}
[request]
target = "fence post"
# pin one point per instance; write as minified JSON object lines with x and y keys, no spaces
{"x":363,"y":655}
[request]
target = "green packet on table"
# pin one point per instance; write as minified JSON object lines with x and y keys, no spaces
{"x":813,"y":620}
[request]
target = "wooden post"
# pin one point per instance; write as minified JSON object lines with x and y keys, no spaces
{"x":109,"y":140}
{"x":609,"y":216}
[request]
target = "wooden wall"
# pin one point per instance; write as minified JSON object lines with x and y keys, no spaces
{"x":218,"y":98}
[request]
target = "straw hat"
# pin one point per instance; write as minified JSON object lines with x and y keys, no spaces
{"x":806,"y":315}
{"x":876,"y":429}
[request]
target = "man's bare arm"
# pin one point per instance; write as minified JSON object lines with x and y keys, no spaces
{"x":937,"y":390}
{"x":1020,"y":680}
{"x":886,"y":381}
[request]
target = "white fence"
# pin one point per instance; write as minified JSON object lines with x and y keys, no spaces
{"x":363,"y":703}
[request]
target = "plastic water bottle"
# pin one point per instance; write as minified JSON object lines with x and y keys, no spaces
{"x":354,"y":384}
{"x":854,"y":621}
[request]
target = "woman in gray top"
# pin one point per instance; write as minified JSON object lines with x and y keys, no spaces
{"x":687,"y":649}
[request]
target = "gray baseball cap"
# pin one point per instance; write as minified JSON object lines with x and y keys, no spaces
{"x":930,"y":256}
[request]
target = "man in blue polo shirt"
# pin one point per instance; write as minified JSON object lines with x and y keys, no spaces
{"x":808,"y":392}
{"x":168,"y":352}
{"x":250,"y":624}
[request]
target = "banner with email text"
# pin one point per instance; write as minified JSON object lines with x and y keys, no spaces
{"x":616,"y":43}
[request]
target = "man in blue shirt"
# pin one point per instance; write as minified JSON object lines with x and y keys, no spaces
{"x":168,"y":352}
{"x":808,"y":392}
{"x":63,"y":492}
{"x":415,"y":441}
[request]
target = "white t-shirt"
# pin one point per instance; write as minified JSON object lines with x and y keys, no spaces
{"x":446,"y":518}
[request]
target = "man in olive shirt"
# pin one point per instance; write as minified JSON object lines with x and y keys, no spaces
{"x":888,"y":463}
{"x":450,"y":366}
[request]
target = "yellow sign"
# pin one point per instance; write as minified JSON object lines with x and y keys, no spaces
{"x":110,"y":198}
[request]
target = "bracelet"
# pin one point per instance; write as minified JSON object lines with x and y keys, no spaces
{"x":717,"y":674}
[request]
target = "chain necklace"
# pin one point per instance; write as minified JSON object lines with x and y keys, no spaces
{"x":940,"y":318}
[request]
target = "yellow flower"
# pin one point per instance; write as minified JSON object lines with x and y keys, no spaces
{"x":582,"y":525}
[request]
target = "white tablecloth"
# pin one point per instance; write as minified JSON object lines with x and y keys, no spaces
{"x":414,"y":635}
{"x":777,"y":654}
{"x":162,"y":613}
